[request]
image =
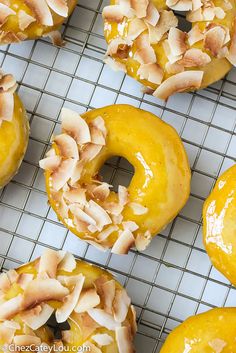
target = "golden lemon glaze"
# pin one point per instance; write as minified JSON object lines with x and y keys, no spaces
{"x":83,"y":328}
{"x":161,"y":181}
{"x":212,"y":71}
{"x":219,"y":220}
{"x":14,"y":136}
{"x":210,"y":332}
{"x":35,"y":26}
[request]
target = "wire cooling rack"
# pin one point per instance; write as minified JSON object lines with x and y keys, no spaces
{"x":173,"y":278}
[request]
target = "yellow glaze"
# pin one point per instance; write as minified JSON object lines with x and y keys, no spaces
{"x":35,"y":29}
{"x":213,"y":71}
{"x":91,"y":274}
{"x":219,"y":218}
{"x":162,"y":176}
{"x":210,"y":332}
{"x":13,"y":142}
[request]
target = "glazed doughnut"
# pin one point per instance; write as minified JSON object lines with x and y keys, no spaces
{"x":31,"y":19}
{"x":14,"y":129}
{"x":96,"y":309}
{"x":87,"y":206}
{"x":145,"y":42}
{"x":210,"y":332}
{"x":219,"y":224}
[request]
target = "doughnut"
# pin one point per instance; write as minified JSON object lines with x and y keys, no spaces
{"x":32,"y":19}
{"x":210,"y":332}
{"x":87,"y":206}
{"x":145,"y":42}
{"x":219,"y":224}
{"x":14,"y":129}
{"x":57,"y":303}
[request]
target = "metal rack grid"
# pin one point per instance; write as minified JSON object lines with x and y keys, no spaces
{"x":173,"y":278}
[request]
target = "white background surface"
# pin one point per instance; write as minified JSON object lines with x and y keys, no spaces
{"x":173,"y":278}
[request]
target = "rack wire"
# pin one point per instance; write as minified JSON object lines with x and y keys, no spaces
{"x":173,"y":278}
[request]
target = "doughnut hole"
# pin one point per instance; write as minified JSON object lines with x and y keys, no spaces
{"x":117,"y":171}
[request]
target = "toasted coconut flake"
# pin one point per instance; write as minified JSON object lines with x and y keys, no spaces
{"x":97,"y":135}
{"x":67,"y":146}
{"x":143,"y":240}
{"x":76,"y":195}
{"x":123,"y":195}
{"x":85,"y":321}
{"x":103,"y":319}
{"x":136,"y":27}
{"x":214,"y":39}
{"x":81,"y":216}
{"x":6,"y":106}
{"x":183,"y":5}
{"x":26,"y":340}
{"x":153,"y":15}
{"x":41,"y":11}
{"x":116,"y":13}
{"x":8,"y":83}
{"x":113,"y":208}
{"x":102,"y":339}
{"x":12,"y":324}
{"x":170,"y":56}
{"x":5,"y":283}
{"x":107,"y":232}
{"x":70,"y":301}
{"x":10,"y":308}
{"x":124,"y":340}
{"x":5,"y":12}
{"x":89,"y":299}
{"x":208,"y":14}
{"x":151,"y":72}
{"x":41,"y":290}
{"x":63,"y":173}
{"x":138,"y":209}
{"x":75,"y":126}
{"x":219,"y":13}
{"x":108,"y":290}
{"x":195,"y":57}
{"x":195,"y":35}
{"x":60,"y":203}
{"x":37,"y":317}
{"x":90,"y":151}
{"x":166,"y":22}
{"x":195,"y":16}
{"x":101,"y":192}
{"x":56,"y":38}
{"x":130,"y":225}
{"x":48,"y":264}
{"x":174,"y":68}
{"x":66,"y":336}
{"x":24,"y":279}
{"x":145,"y":53}
{"x":119,"y":46}
{"x":6,"y":334}
{"x":99,"y":123}
{"x":92,"y":348}
{"x":69,"y":280}
{"x":123,"y":243}
{"x":25,"y":20}
{"x":181,"y":82}
{"x":226,"y":5}
{"x":176,"y":41}
{"x":77,"y":172}
{"x":98,"y":213}
{"x":50,"y":163}
{"x":197,"y":4}
{"x":115,"y":65}
{"x":133,"y":324}
{"x":60,"y":7}
{"x":121,"y":305}
{"x":231,"y":56}
{"x":68,"y":263}
{"x":140,"y":7}
{"x":96,"y":244}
